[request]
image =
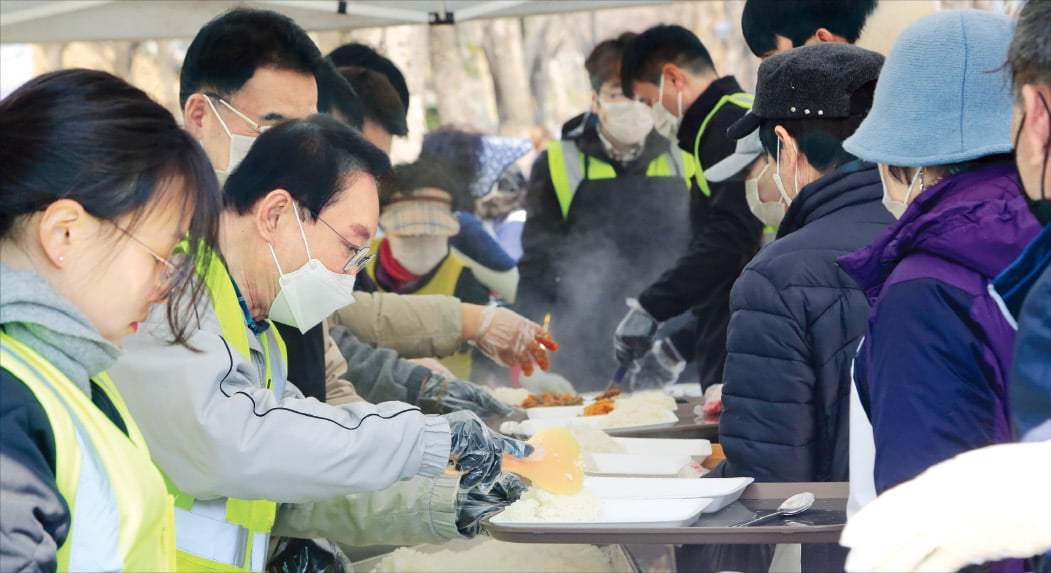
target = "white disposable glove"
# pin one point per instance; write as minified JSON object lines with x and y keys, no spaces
{"x":983,"y":505}
{"x":511,"y":339}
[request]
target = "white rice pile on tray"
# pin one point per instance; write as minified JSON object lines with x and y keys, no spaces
{"x":502,"y":557}
{"x":512,"y":396}
{"x":595,"y":441}
{"x":539,"y":505}
{"x":639,"y":409}
{"x":652,"y":398}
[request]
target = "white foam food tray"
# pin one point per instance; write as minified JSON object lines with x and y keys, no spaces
{"x":620,"y":513}
{"x":722,"y":491}
{"x":666,"y":446}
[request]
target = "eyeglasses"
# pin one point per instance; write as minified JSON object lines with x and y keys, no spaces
{"x":361,"y":256}
{"x":256,"y":126}
{"x":176,"y":269}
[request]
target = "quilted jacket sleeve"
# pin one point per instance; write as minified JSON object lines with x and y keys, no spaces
{"x":768,"y":425}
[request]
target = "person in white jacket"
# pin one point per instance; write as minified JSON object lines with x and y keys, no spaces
{"x":222,"y":421}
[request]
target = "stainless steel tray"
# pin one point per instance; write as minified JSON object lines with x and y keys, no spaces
{"x":821,"y":524}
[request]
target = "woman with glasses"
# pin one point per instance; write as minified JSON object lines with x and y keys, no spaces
{"x":224,"y":423}
{"x":99,"y":184}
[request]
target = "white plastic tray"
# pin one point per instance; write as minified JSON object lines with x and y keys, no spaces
{"x":546,"y":412}
{"x":697,"y":448}
{"x":722,"y":491}
{"x":620,"y":513}
{"x":635,"y":465}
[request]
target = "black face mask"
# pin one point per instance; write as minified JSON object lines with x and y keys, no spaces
{"x":1041,"y":208}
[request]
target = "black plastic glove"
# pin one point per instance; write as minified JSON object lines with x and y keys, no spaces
{"x":476,"y":449}
{"x":634,"y":334}
{"x":659,"y":367}
{"x":474,"y":504}
{"x":451,"y":395}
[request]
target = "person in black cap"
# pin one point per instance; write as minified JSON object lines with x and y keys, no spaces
{"x":669,"y":69}
{"x":796,"y":316}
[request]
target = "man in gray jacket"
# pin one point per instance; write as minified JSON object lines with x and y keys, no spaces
{"x":220,"y":428}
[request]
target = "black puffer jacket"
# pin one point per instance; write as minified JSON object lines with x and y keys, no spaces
{"x":796,"y":323}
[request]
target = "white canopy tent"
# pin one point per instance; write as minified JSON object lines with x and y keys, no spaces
{"x":37,"y":21}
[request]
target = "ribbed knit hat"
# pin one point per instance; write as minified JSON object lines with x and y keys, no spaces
{"x":944,"y":95}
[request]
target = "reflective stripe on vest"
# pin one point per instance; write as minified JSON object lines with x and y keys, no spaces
{"x":740,"y":99}
{"x":444,"y":282}
{"x":120,"y":514}
{"x":567,"y":176}
{"x":227,"y":534}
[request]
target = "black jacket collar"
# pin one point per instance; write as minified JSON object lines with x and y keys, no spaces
{"x":694,"y":115}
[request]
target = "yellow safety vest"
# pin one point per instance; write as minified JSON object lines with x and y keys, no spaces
{"x":234,"y":536}
{"x":443,"y":281}
{"x":740,"y":99}
{"x":121,"y":517}
{"x":566,"y":176}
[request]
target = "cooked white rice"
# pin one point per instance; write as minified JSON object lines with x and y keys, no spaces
{"x":652,"y":398}
{"x":500,"y":557}
{"x":595,"y":441}
{"x":512,"y":396}
{"x":539,"y":505}
{"x":639,"y":409}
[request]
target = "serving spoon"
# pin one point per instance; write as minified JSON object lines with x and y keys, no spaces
{"x":796,"y":504}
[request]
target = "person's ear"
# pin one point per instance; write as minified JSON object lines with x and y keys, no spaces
{"x":594,"y":102}
{"x":193,"y":114}
{"x":823,"y":35}
{"x":61,"y":228}
{"x":1037,"y":127}
{"x":269,"y":211}
{"x":674,"y":77}
{"x":789,"y":147}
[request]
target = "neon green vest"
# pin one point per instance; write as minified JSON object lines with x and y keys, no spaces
{"x":247,"y":521}
{"x":566,"y":176}
{"x":740,"y":99}
{"x":107,"y":478}
{"x":444,"y":282}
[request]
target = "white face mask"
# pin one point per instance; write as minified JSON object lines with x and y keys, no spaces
{"x":239,"y":145}
{"x":770,"y":213}
{"x":666,"y":123}
{"x":777,"y":177}
{"x":897,"y":208}
{"x":310,"y":293}
{"x":627,"y":121}
{"x":419,"y":254}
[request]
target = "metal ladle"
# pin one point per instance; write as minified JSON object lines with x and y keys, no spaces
{"x":796,"y":504}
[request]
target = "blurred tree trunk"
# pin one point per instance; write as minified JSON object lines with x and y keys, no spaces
{"x":534,"y":30}
{"x":460,"y":101}
{"x":503,"y":47}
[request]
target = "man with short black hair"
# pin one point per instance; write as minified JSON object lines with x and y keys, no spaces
{"x":669,"y":69}
{"x":228,"y":104}
{"x":772,"y":26}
